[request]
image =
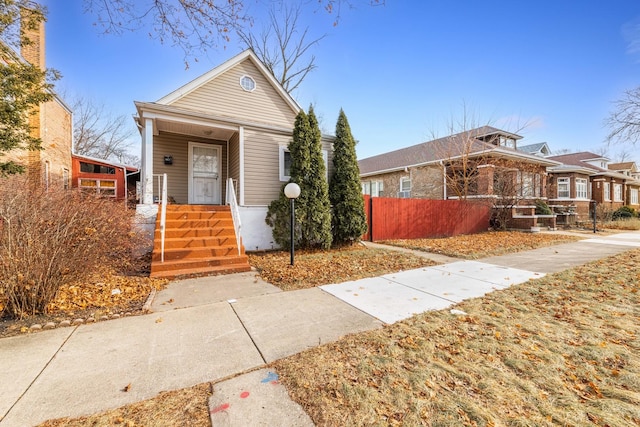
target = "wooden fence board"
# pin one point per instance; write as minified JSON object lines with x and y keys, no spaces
{"x":393,"y":218}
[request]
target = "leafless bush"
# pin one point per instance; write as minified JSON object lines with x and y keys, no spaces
{"x":48,"y":238}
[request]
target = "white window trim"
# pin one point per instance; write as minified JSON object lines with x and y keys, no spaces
{"x":284,"y":178}
{"x":243,"y":77}
{"x":99,"y":188}
{"x":564,"y":180}
{"x":607,"y":192}
{"x":585,"y":184}
{"x":634,"y":196}
{"x":617,"y":193}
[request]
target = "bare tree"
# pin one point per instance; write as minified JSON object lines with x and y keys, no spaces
{"x":193,"y":25}
{"x":101,"y":134}
{"x":283,"y":47}
{"x":624,"y":120}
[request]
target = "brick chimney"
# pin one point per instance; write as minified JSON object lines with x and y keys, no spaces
{"x":34,"y":50}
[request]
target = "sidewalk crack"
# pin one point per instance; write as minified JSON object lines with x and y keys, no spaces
{"x":248,"y":334}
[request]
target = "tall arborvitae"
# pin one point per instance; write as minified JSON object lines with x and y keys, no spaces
{"x":316,"y":229}
{"x":349,"y":218}
{"x":278,"y":213}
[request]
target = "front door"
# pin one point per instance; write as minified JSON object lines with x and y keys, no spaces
{"x":204,"y":174}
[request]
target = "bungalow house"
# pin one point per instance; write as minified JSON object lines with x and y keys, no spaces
{"x":481,"y":164}
{"x":103,"y":177}
{"x":51,"y":122}
{"x":586,"y":176}
{"x":221,"y":139}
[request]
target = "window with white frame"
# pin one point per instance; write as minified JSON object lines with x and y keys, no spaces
{"x":633,"y":199}
{"x":285,"y":163}
{"x":529,"y":183}
{"x":581,"y":189}
{"x":617,"y":192}
{"x":65,"y":178}
{"x":405,"y":187}
{"x":564,"y":191}
{"x":103,"y":187}
{"x":607,"y":191}
{"x":373,"y":188}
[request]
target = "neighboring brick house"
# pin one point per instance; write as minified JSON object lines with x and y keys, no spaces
{"x":481,"y":164}
{"x":584,"y":177}
{"x":52,"y":123}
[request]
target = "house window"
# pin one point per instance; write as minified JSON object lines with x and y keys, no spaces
{"x":581,"y":188}
{"x":529,"y":183}
{"x":563,"y":188}
{"x":372,"y":188}
{"x":47,"y":174}
{"x":93,"y":168}
{"x":634,"y":196}
{"x":617,"y":192}
{"x":65,"y":178}
{"x":285,"y":163}
{"x":607,"y":191}
{"x":405,"y":187}
{"x":247,"y":83}
{"x":103,"y":187}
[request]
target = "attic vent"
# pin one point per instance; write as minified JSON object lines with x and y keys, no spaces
{"x":247,"y":83}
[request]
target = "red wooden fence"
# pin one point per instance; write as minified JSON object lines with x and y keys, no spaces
{"x":423,"y":218}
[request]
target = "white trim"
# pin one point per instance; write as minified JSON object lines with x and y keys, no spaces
{"x":617,"y":195}
{"x":281,"y":152}
{"x":190,"y":171}
{"x":147,"y":162}
{"x":565,"y":180}
{"x":251,"y":79}
{"x":241,"y":161}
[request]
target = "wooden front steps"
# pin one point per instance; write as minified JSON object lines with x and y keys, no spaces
{"x":199,"y":240}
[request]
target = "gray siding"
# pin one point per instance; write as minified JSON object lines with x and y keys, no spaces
{"x":224,"y":96}
{"x":178,"y":173}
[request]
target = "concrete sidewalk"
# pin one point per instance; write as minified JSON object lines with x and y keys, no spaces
{"x":226,"y":329}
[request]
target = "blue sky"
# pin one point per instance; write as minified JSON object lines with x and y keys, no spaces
{"x":403,"y":71}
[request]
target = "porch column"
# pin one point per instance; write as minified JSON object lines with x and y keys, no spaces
{"x":485,"y":180}
{"x":147,"y":162}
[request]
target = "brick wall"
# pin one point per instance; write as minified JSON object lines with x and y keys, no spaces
{"x":426,"y":182}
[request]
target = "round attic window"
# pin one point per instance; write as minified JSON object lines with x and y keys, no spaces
{"x":247,"y":83}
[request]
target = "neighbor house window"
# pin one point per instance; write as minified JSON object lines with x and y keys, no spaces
{"x":372,"y":188}
{"x":617,"y":192}
{"x":530,"y":184}
{"x":405,"y":187}
{"x":563,"y":188}
{"x":607,"y":191}
{"x":247,"y":83}
{"x":285,"y":163}
{"x":633,"y":200}
{"x":94,"y":168}
{"x":65,"y":178}
{"x":103,"y":187}
{"x":581,"y":188}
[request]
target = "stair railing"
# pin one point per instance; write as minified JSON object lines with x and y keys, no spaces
{"x":163,"y":212}
{"x":235,"y":212}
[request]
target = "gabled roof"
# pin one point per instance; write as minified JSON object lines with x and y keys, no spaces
{"x":535,"y":148}
{"x":627,"y":166}
{"x":581,"y":160}
{"x":225,"y":66}
{"x":447,"y":148}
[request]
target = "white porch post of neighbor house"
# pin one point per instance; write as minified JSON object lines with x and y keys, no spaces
{"x":147,"y":162}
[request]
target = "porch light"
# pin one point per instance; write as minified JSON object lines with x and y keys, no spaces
{"x":292,"y":191}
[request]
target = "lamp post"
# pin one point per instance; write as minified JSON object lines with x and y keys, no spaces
{"x":292,"y":191}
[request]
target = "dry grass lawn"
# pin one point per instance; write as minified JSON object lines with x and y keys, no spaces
{"x":561,"y":350}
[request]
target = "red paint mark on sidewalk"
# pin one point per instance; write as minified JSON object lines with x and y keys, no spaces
{"x":244,"y":394}
{"x":220,"y":408}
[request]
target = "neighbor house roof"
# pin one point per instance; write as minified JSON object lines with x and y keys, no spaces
{"x":582,"y":160}
{"x":446,"y":148}
{"x":540,"y":147}
{"x":106,"y":162}
{"x":630,"y":166}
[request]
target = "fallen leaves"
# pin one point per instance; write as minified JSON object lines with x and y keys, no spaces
{"x":473,"y":246}
{"x":313,"y":268}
